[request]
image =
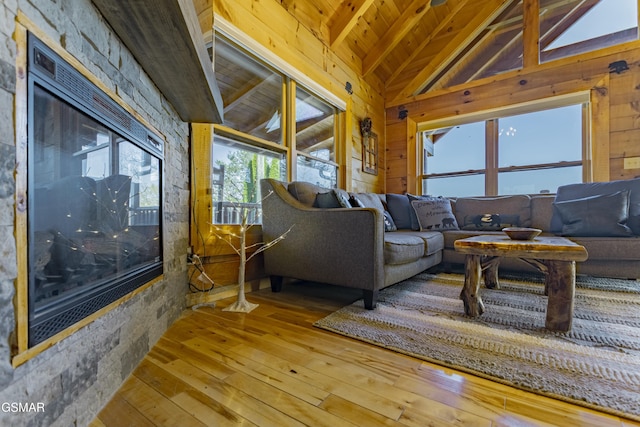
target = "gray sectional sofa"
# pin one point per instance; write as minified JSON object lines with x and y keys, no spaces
{"x":382,"y":241}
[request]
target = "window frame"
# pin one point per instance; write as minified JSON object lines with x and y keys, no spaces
{"x":491,"y":119}
{"x":292,"y":78}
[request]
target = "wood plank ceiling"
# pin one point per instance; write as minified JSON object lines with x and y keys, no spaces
{"x":412,"y":47}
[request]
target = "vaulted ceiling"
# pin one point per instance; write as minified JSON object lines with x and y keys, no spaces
{"x":412,"y":46}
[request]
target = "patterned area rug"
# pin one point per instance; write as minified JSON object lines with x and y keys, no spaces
{"x":596,"y":364}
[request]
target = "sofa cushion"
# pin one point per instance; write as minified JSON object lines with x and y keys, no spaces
{"x":401,"y":248}
{"x":305,"y":192}
{"x":433,"y":240}
{"x":400,"y":209}
{"x":604,"y":215}
{"x":517,"y":205}
{"x":434,"y":214}
{"x":581,"y":190}
{"x":610,"y":248}
{"x":542,"y":211}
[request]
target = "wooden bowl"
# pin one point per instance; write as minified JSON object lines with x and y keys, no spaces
{"x":522,"y":233}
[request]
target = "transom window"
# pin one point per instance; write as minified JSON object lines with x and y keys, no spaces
{"x":521,"y":154}
{"x":578,"y":26}
{"x":566,"y":28}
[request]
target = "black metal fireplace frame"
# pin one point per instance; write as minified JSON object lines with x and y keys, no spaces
{"x":49,"y":71}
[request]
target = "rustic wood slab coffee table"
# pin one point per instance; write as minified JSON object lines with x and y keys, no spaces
{"x":555,"y":256}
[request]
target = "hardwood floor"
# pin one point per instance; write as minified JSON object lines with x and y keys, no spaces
{"x":271,"y":367}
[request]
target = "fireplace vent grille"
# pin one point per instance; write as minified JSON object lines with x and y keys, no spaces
{"x":66,"y":317}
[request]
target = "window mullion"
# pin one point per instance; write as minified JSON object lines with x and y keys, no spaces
{"x":491,"y":159}
{"x":289,"y":122}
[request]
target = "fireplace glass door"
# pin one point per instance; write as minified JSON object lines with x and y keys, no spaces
{"x":94,"y":213}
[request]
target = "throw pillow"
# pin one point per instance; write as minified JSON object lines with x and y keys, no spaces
{"x":581,"y":190}
{"x":490,"y":222}
{"x":327,"y":200}
{"x":355,"y":202}
{"x":305,"y":192}
{"x":343,"y":197}
{"x":415,"y":224}
{"x":603,"y":216}
{"x":400,"y":209}
{"x":336,"y":198}
{"x":435,"y":214}
{"x":370,"y":200}
{"x":388,"y":222}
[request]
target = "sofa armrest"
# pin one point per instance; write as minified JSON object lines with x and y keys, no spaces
{"x":342,"y":246}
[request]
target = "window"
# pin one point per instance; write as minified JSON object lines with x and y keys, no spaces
{"x":520,"y":154}
{"x":251,"y":91}
{"x":539,"y":151}
{"x":315,"y":142}
{"x":237,"y":169}
{"x":566,"y":28}
{"x":254,"y":142}
{"x":462,"y":173}
{"x":572,"y":27}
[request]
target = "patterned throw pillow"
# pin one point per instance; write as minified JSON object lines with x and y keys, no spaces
{"x":435,"y":214}
{"x":490,"y":221}
{"x":415,"y":224}
{"x":343,"y":197}
{"x":389,"y":225}
{"x":355,"y":202}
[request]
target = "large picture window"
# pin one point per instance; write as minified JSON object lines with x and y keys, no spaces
{"x":526,"y":153}
{"x":273,"y":127}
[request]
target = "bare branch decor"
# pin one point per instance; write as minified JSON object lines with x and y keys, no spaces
{"x":241,"y":304}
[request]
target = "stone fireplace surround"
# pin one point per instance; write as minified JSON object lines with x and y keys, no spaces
{"x":75,"y":377}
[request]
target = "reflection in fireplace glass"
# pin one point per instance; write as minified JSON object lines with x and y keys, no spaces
{"x":94,"y":230}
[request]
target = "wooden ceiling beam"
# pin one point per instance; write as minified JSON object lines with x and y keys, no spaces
{"x":394,"y":35}
{"x":458,"y":43}
{"x":347,"y":17}
{"x":531,"y":33}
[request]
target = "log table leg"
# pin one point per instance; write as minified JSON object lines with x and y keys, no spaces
{"x":490,"y":272}
{"x":470,"y":295}
{"x":560,"y":285}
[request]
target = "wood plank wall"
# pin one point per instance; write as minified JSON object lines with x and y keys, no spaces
{"x":624,"y":124}
{"x":615,"y":115}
